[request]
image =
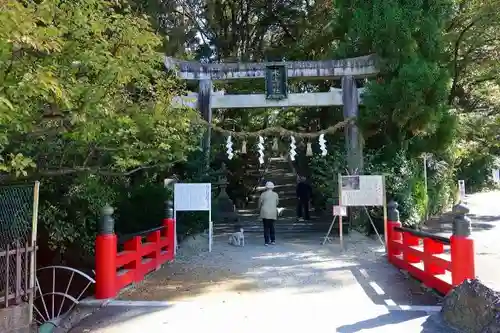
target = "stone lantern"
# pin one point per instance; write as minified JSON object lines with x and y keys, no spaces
{"x":225,"y":209}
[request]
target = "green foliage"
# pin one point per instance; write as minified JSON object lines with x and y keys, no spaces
{"x":442,"y":186}
{"x":70,"y":211}
{"x":408,"y":101}
{"x":474,"y":43}
{"x":85,"y":104}
{"x":478,"y":151}
{"x":475,"y":168}
{"x":324,"y":176}
{"x":85,"y":84}
{"x":141,"y":206}
{"x":405,"y":110}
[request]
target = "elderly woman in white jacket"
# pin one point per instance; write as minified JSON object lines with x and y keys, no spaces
{"x":268,"y":206}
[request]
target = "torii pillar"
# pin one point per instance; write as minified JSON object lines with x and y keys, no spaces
{"x":353,"y":140}
{"x":204,"y":106}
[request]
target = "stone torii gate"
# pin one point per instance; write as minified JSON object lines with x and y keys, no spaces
{"x":276,"y":74}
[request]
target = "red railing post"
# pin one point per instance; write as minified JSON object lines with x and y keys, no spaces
{"x":155,"y":238}
{"x":393,"y":235}
{"x":462,"y":247}
{"x":135,"y":245}
{"x":410,"y":240}
{"x":433,"y":247}
{"x":105,"y":256}
{"x":169,"y":224}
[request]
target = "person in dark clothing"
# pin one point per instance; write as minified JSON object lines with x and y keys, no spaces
{"x":304,"y":194}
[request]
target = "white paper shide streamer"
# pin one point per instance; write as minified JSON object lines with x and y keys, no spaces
{"x":229,"y":146}
{"x":260,"y":147}
{"x":322,"y":143}
{"x":292,"y":148}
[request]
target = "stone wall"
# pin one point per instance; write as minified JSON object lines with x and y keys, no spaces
{"x":15,"y":319}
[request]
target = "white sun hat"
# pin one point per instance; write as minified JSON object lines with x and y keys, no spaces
{"x":269,"y":185}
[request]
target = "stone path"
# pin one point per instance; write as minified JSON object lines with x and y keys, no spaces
{"x":292,"y":286}
{"x":485,"y":217}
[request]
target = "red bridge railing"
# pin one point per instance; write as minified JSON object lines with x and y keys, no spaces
{"x":142,"y":253}
{"x":439,"y":262}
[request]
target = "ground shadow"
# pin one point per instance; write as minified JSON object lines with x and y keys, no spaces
{"x":485,"y":218}
{"x":391,"y":318}
{"x":277,"y":268}
{"x":114,"y":316}
{"x":262,"y":271}
{"x":431,"y":324}
{"x":444,"y":227}
{"x":384,"y":284}
{"x":436,"y":324}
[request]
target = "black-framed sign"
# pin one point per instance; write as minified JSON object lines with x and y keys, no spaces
{"x":276,"y":82}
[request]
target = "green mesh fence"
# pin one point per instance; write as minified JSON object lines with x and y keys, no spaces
{"x":16,"y":214}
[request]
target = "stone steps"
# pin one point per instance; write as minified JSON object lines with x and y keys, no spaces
{"x":282,"y":228}
{"x":282,"y":193}
{"x":285,"y":202}
{"x":286,"y":223}
{"x":250,"y":213}
{"x":287,"y":186}
{"x":285,"y":181}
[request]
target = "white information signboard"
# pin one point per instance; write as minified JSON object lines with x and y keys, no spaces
{"x":362,"y":191}
{"x":339,"y":211}
{"x":496,"y":176}
{"x":194,"y":197}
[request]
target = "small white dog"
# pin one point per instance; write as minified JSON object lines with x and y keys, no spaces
{"x":237,"y":238}
{"x":280,"y":211}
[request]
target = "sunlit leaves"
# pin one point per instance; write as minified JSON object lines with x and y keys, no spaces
{"x":89,"y":71}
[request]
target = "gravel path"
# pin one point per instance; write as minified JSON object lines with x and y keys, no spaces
{"x":291,"y":286}
{"x":293,"y":266}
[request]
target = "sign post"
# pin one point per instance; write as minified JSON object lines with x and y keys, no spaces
{"x":194,"y":197}
{"x":338,"y":211}
{"x":461,"y":190}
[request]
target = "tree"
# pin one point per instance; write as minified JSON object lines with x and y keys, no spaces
{"x":405,"y":109}
{"x":474,"y":42}
{"x":83,"y":89}
{"x":85,"y":106}
{"x":408,"y":101}
{"x":474,"y":45}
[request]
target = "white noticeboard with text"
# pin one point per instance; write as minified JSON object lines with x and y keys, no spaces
{"x":363,"y":191}
{"x":339,"y":211}
{"x":360,"y":190}
{"x":194,"y":197}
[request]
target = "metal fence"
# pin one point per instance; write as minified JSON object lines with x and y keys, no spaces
{"x":18,"y":228}
{"x":16,"y":284}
